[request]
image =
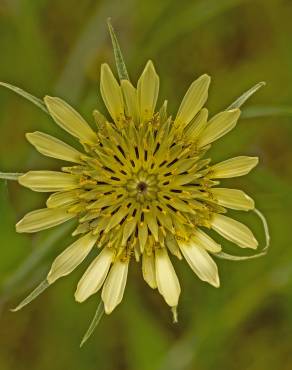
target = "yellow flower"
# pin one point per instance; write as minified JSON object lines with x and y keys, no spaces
{"x":141,"y":189}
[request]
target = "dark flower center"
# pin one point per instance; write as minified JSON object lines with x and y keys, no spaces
{"x":142,"y":187}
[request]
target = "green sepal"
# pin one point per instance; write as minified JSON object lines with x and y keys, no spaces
{"x":264,"y":250}
{"x":119,"y":59}
{"x":10,"y":175}
{"x":33,"y":295}
{"x":245,"y":96}
{"x":95,"y":321}
{"x":38,"y":102}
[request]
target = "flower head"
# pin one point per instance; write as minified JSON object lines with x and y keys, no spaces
{"x":141,"y":188}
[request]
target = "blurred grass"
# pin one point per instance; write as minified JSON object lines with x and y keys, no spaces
{"x":56,"y":47}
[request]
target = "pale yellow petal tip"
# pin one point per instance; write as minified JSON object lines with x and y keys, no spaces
{"x":78,"y":297}
{"x":29,"y":136}
{"x":107,"y":309}
{"x":152,"y":285}
{"x":256,"y":161}
{"x":18,"y":226}
{"x":105,"y":66}
{"x":105,"y":69}
{"x":48,"y":99}
{"x":254,"y":243}
{"x":50,"y":278}
{"x":206,"y":77}
{"x":150,"y":64}
{"x":216,"y":282}
{"x":21,"y":179}
{"x":236,"y":112}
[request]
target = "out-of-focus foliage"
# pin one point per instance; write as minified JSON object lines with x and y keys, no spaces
{"x":56,"y":47}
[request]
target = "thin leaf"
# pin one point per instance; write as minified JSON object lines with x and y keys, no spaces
{"x":264,"y":250}
{"x":38,"y":102}
{"x":10,"y":175}
{"x":120,"y":64}
{"x":245,"y":96}
{"x":33,"y":295}
{"x":96,"y":319}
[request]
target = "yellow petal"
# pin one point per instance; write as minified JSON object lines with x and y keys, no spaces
{"x":167,"y":281}
{"x":62,"y":199}
{"x":70,"y":120}
{"x":129,"y":228}
{"x":148,"y":270}
{"x":233,"y":198}
{"x":111,"y":93}
{"x":131,"y":100}
{"x":52,"y":147}
{"x":218,"y":126}
{"x":72,"y":256}
{"x":234,"y":231}
{"x":49,"y":181}
{"x":205,"y":241}
{"x":193,"y":101}
{"x":114,"y":286}
{"x":233,"y":167}
{"x":151,"y":220}
{"x":148,"y":89}
{"x":142,"y":235}
{"x":196,"y":126}
{"x":200,"y":262}
{"x":95,"y":275}
{"x":42,"y":219}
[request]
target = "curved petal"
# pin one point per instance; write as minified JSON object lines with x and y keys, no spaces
{"x":197,"y":125}
{"x":49,"y":181}
{"x":193,"y":101}
{"x":200,"y":262}
{"x":114,"y":286}
{"x":233,"y":167}
{"x":167,"y":281}
{"x":205,"y":241}
{"x":94,"y":277}
{"x":42,"y":219}
{"x":63,"y":199}
{"x":70,"y":120}
{"x":111,"y":93}
{"x":148,"y":89}
{"x":218,"y":126}
{"x":131,"y":100}
{"x":72,"y":256}
{"x":234,"y":231}
{"x":148,"y":270}
{"x":52,"y":147}
{"x":233,"y":198}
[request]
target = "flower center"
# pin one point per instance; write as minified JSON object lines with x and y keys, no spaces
{"x":142,"y":187}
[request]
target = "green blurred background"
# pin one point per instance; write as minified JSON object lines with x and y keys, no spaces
{"x":56,"y":47}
